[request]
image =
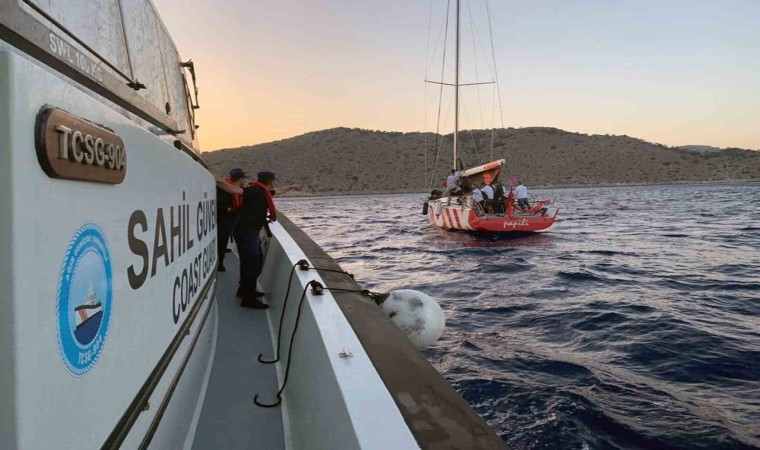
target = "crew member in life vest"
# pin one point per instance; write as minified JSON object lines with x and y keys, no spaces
{"x":255,"y":212}
{"x":227,"y":206}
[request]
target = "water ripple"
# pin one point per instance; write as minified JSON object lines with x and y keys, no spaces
{"x":633,"y":324}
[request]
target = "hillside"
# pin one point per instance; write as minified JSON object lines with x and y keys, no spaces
{"x":353,"y":160}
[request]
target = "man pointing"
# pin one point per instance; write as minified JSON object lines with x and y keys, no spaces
{"x":255,"y":212}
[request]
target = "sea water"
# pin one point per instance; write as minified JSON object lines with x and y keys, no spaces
{"x":633,"y":323}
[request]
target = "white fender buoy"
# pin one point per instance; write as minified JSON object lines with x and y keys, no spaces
{"x":438,"y":208}
{"x":417,"y":314}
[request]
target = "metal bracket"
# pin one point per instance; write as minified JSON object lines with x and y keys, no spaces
{"x":317,"y":288}
{"x":190,"y":65}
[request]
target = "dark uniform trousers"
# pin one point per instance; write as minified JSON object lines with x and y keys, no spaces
{"x":251,"y":257}
{"x":226,"y":225}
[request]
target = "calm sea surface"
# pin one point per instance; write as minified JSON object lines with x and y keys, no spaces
{"x":633,"y":323}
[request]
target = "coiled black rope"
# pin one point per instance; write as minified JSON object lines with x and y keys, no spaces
{"x":317,"y":288}
{"x":303,"y":265}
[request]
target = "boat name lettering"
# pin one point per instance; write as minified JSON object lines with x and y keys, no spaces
{"x":72,"y":148}
{"x":159,"y":246}
{"x":515,"y":223}
{"x":68,"y":53}
{"x":88,"y":149}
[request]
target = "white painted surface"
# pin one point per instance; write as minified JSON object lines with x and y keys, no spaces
{"x":40,"y":215}
{"x":7,"y":284}
{"x":189,"y":439}
{"x":331,"y":401}
{"x":177,"y":427}
{"x":483,"y":167}
{"x":451,"y":216}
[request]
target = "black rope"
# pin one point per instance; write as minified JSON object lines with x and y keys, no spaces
{"x":317,"y":288}
{"x":324,"y":269}
{"x":303,"y":265}
{"x":376,"y":297}
{"x":300,"y":263}
{"x":315,"y":291}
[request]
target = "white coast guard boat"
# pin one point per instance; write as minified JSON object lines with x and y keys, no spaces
{"x":108,"y":224}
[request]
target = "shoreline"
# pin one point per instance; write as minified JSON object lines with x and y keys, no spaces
{"x":550,"y":186}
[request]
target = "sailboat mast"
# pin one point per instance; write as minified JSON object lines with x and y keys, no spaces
{"x":456,"y":97}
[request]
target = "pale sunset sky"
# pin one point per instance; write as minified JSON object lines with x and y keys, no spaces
{"x":674,"y":72}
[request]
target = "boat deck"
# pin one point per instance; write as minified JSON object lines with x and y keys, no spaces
{"x":229,"y":418}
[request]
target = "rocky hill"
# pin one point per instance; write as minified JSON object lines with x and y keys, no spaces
{"x":343,"y":160}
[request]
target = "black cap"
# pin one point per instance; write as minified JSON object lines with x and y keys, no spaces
{"x":236,"y":174}
{"x":266,"y":176}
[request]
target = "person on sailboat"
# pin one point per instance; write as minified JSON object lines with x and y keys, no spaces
{"x":498,"y":191}
{"x":488,"y":196}
{"x":522,"y":196}
{"x":498,"y":198}
{"x":477,"y":196}
{"x":487,"y":191}
{"x":452,"y":184}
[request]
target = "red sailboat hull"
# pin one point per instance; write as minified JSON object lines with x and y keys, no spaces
{"x":450,"y":215}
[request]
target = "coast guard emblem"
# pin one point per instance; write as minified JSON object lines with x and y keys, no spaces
{"x":85,"y":295}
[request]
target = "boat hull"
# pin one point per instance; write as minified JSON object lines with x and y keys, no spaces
{"x":448,"y":214}
{"x":60,"y":234}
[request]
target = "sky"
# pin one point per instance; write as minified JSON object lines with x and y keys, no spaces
{"x":670,"y":71}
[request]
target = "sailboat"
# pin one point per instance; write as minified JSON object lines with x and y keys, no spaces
{"x":459,"y":211}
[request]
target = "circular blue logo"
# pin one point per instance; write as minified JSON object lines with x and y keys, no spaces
{"x":85,"y":294}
